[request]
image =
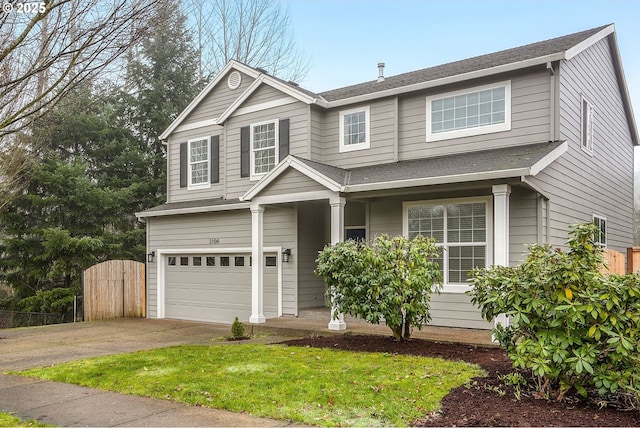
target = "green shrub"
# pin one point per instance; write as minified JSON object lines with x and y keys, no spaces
{"x":390,"y":279}
{"x":237,"y":330}
{"x":571,"y":325}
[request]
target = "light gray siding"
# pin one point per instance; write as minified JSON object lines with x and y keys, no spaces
{"x":316,"y":131}
{"x":174,"y":192}
{"x":232,"y":229}
{"x":312,"y":237}
{"x":524,"y":223}
{"x":292,"y":181}
{"x":580,"y":183}
{"x":280,"y":230}
{"x":218,"y":100}
{"x":530,"y":119}
{"x":382,"y":139}
{"x":297,"y":113}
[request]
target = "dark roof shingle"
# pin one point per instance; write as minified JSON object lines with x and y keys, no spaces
{"x":513,"y":55}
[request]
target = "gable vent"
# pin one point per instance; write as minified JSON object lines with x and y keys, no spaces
{"x":234,"y":80}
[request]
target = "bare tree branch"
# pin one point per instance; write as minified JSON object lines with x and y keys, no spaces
{"x":255,"y":32}
{"x":46,"y":52}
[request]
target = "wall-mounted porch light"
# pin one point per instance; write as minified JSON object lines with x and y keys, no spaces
{"x":151,"y":256}
{"x":286,"y":253}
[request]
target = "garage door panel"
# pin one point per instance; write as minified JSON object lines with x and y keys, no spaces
{"x":204,"y":292}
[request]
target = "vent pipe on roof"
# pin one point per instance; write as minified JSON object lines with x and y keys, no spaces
{"x":381,"y":72}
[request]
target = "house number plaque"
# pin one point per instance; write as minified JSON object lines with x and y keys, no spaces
{"x":214,"y":241}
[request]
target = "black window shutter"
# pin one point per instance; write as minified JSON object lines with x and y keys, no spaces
{"x":283,"y":139}
{"x":245,"y":152}
{"x":215,"y":159}
{"x":183,"y":164}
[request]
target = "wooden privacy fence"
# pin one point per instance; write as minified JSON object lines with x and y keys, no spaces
{"x":114,"y":289}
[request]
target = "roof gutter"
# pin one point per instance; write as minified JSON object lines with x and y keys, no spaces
{"x":192,"y":210}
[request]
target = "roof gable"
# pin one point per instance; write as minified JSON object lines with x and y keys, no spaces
{"x":260,"y":78}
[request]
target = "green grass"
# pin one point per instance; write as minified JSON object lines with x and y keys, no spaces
{"x":306,"y":385}
{"x":8,"y":420}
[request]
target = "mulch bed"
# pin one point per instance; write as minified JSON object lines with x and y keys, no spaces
{"x":487,"y":401}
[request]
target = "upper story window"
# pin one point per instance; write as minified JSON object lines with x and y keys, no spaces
{"x":460,"y":228}
{"x":354,"y":129}
{"x":481,"y":110}
{"x":586,"y":133}
{"x":199,"y":163}
{"x":601,"y":234}
{"x":264,"y":147}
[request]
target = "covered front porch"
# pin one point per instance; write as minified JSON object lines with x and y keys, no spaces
{"x":386,"y":196}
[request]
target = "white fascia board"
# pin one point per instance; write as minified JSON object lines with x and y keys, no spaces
{"x":588,"y":42}
{"x":624,"y":90}
{"x":238,"y":102}
{"x":194,"y":210}
{"x":444,"y":179}
{"x":448,"y":80}
{"x":290,"y":161}
{"x":548,"y":159}
{"x":268,"y":80}
{"x":194,"y":103}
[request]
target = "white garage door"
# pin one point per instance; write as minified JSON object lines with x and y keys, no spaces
{"x":216,"y":287}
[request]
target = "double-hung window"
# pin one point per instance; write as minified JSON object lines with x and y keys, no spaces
{"x":354,"y":129}
{"x":586,"y":133}
{"x":461,"y":229}
{"x":601,"y":234}
{"x":264,"y":147}
{"x":476,"y":111}
{"x":199,"y":163}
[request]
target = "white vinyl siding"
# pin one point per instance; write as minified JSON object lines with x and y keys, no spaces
{"x":264,"y":148}
{"x":199,"y":163}
{"x":459,"y":228}
{"x":354,"y":129}
{"x":463,"y":113}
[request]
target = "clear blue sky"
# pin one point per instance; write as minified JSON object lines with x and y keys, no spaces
{"x":345,"y":39}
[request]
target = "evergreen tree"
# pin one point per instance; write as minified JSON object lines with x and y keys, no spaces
{"x":162,"y":81}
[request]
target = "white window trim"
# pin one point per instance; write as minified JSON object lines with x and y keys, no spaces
{"x":487,"y":200}
{"x":207,"y":184}
{"x":589,"y":147}
{"x":606,"y":234}
{"x":480,"y":130}
{"x":361,"y":146}
{"x":276,"y":122}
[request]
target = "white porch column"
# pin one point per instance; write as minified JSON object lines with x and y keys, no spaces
{"x":257,"y":270}
{"x":501,"y":194}
{"x":337,"y":235}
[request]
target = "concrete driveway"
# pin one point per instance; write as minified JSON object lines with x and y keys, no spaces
{"x":68,"y":405}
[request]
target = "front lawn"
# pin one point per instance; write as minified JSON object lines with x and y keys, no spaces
{"x":8,"y":420}
{"x":302,"y":384}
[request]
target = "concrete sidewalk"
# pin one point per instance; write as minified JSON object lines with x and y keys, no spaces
{"x":69,"y":405}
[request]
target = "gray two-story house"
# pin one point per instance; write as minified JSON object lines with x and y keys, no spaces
{"x":486,"y":155}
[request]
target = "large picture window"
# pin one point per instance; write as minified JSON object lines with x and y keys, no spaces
{"x":459,"y":228}
{"x":470,"y":112}
{"x":199,"y":163}
{"x":354,"y":129}
{"x":264,"y":147}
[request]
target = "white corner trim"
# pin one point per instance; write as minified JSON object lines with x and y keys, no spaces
{"x":548,"y":158}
